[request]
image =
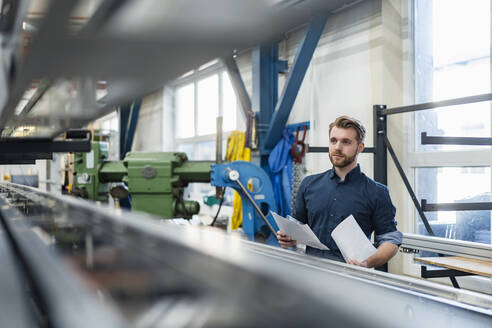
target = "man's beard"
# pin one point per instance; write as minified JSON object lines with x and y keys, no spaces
{"x":346,"y":160}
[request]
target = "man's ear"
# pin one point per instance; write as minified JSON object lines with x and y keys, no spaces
{"x":360,"y":148}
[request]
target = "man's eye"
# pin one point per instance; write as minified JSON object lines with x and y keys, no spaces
{"x":346,"y":142}
{"x":333,"y":141}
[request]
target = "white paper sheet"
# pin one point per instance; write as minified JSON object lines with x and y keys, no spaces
{"x":351,"y":241}
{"x":300,"y":232}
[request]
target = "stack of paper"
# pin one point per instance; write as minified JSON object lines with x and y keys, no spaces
{"x":300,"y":232}
{"x":352,"y":241}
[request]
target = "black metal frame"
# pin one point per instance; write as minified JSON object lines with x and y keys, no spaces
{"x":440,"y":140}
{"x":443,"y":273}
{"x":28,"y":150}
{"x":477,"y":206}
{"x":382,"y":144}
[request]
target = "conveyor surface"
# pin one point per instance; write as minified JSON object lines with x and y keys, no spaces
{"x":159,"y":274}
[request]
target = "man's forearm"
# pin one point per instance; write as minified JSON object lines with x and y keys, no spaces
{"x":383,"y":254}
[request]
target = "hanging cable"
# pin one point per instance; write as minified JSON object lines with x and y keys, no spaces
{"x":220,"y":206}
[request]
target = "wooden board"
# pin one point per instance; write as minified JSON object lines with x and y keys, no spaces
{"x":480,"y":267}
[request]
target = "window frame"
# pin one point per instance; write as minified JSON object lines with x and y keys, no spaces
{"x":439,"y":158}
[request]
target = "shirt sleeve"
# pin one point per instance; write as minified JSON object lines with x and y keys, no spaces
{"x":384,"y":220}
{"x":300,"y":209}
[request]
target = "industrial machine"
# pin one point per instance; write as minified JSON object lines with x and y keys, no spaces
{"x":86,"y":173}
{"x":256,"y":191}
{"x":155,"y":182}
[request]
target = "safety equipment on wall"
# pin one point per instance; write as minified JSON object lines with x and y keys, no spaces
{"x":298,"y":151}
{"x":280,"y":163}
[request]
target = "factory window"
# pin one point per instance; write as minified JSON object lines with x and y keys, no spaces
{"x":452,"y":59}
{"x":185,"y":112}
{"x":199,"y":97}
{"x":207,"y":104}
{"x":198,"y":100}
{"x":456,"y":185}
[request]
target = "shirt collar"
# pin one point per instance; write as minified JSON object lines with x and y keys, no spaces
{"x":352,"y":175}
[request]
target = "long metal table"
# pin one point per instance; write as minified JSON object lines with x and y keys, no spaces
{"x":100,"y":267}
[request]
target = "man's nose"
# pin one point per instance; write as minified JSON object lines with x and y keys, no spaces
{"x":338,"y":145}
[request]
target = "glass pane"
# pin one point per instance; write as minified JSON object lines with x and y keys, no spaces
{"x":230,"y":104}
{"x":449,"y":63}
{"x":455,"y":185}
{"x":206,"y":151}
{"x":459,"y":40}
{"x":208,"y":104}
{"x":470,"y":120}
{"x":188,"y":149}
{"x":185,"y":111}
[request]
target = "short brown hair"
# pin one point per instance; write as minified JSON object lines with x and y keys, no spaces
{"x":347,"y":122}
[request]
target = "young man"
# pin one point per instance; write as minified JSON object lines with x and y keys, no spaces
{"x":324,"y":200}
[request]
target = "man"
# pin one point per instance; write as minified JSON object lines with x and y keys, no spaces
{"x":324,"y":200}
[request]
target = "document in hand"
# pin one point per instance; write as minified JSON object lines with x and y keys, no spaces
{"x":300,"y":232}
{"x":351,"y":241}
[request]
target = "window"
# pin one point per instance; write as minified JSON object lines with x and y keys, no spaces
{"x":185,"y":111}
{"x":452,"y":59}
{"x":450,"y":185}
{"x":200,"y":96}
{"x":207,"y":105}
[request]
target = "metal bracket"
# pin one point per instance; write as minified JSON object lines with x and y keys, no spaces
{"x":282,"y":66}
{"x":477,"y":206}
{"x":440,"y":140}
{"x":444,"y":273}
{"x":27,"y":150}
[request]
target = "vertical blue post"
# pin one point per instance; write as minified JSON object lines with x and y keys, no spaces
{"x":265,"y":93}
{"x":294,"y":81}
{"x":128,"y":125}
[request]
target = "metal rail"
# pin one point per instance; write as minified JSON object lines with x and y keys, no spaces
{"x":447,"y":246}
{"x":437,"y":104}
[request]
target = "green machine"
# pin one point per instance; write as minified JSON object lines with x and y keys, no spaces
{"x":86,"y":168}
{"x":154,"y":180}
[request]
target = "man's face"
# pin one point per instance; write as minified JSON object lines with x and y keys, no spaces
{"x":344,"y":147}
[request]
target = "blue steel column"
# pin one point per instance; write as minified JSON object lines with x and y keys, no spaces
{"x":294,"y":81}
{"x":265,"y":93}
{"x":128,"y":125}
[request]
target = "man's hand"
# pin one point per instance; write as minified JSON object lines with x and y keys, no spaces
{"x":384,"y":253}
{"x":355,"y":262}
{"x":284,"y":240}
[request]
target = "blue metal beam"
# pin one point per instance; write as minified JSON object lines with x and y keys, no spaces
{"x":128,"y":125}
{"x":238,"y":84}
{"x":265,"y":92}
{"x":294,"y":81}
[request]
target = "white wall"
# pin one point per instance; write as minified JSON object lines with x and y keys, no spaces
{"x":148,"y":134}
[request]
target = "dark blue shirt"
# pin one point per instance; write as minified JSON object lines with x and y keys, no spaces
{"x":323,"y":201}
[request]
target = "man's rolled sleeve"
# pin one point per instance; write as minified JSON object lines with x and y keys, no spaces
{"x":394,"y":237}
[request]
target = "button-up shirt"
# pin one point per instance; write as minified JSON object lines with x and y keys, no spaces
{"x":323,"y":201}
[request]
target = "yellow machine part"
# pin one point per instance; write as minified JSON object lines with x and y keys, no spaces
{"x":237,"y":152}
